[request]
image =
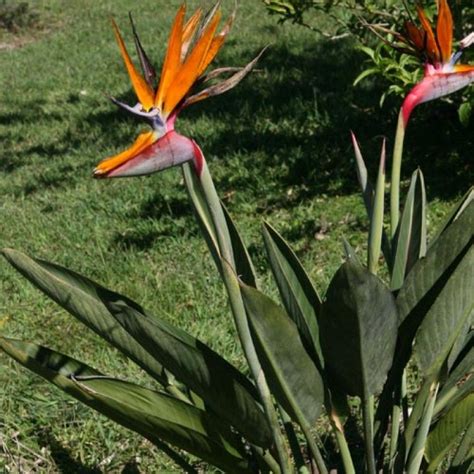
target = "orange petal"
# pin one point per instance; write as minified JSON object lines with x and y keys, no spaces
{"x":172,"y":61}
{"x":191,"y":68}
{"x":142,"y":89}
{"x":415,"y":36}
{"x":444,"y":30}
{"x":143,"y":141}
{"x":463,"y":68}
{"x":430,"y":46}
{"x":188,"y":32}
{"x":216,"y":45}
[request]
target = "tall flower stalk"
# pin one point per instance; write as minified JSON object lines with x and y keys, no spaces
{"x":192,"y":46}
{"x":442,"y":76}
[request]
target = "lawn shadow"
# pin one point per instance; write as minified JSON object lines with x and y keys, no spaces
{"x":62,"y":456}
{"x":297,"y":115}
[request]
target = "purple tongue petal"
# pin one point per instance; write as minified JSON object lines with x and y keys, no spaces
{"x":151,"y":117}
{"x":170,"y":150}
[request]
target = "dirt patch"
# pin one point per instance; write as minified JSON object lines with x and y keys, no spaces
{"x":21,"y":23}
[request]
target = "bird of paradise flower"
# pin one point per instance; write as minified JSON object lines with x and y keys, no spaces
{"x":192,"y":46}
{"x":442,"y":76}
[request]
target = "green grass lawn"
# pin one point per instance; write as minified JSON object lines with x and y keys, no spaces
{"x":278,"y":147}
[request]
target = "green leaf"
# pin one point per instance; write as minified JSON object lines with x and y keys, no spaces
{"x":358,"y":330}
{"x":465,"y":339}
{"x":349,"y":252}
{"x":297,"y":292}
{"x":376,"y":218}
{"x":459,"y":381}
{"x":291,"y":374}
{"x":368,"y":195}
{"x":465,"y":112}
{"x":456,"y":211}
{"x":446,"y":431}
{"x":156,"y":416}
{"x":243,"y":263}
{"x":463,"y":460}
{"x":226,"y":390}
{"x":429,"y":275}
{"x":80,"y":296}
{"x":449,"y":314}
{"x":364,"y":74}
{"x":410,"y":240}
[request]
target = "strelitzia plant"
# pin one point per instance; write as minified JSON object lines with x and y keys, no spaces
{"x":442,"y":76}
{"x":306,"y":357}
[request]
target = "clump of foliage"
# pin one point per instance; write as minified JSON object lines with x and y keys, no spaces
{"x":399,"y":72}
{"x":15,"y":16}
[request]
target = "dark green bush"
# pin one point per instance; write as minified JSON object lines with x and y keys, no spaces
{"x":15,"y":16}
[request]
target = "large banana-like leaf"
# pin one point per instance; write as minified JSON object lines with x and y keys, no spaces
{"x":448,"y":316}
{"x":243,"y":263}
{"x":291,"y":373}
{"x":446,"y":431}
{"x":429,"y":275}
{"x":459,"y":381}
{"x":456,"y":211}
{"x":461,"y":345}
{"x":80,"y":296}
{"x":358,"y":330}
{"x":297,"y":292}
{"x":410,"y":239}
{"x":226,"y":390}
{"x":156,"y":416}
{"x":463,"y":459}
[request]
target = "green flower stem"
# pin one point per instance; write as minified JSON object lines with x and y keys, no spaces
{"x":294,"y":444}
{"x":415,"y":415}
{"x":228,"y":273}
{"x":343,"y":448}
{"x":367,"y":412}
{"x":395,"y":179}
{"x":238,"y":309}
{"x":395,"y":431}
{"x":313,"y":447}
{"x":266,"y":460}
{"x":418,"y":448}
